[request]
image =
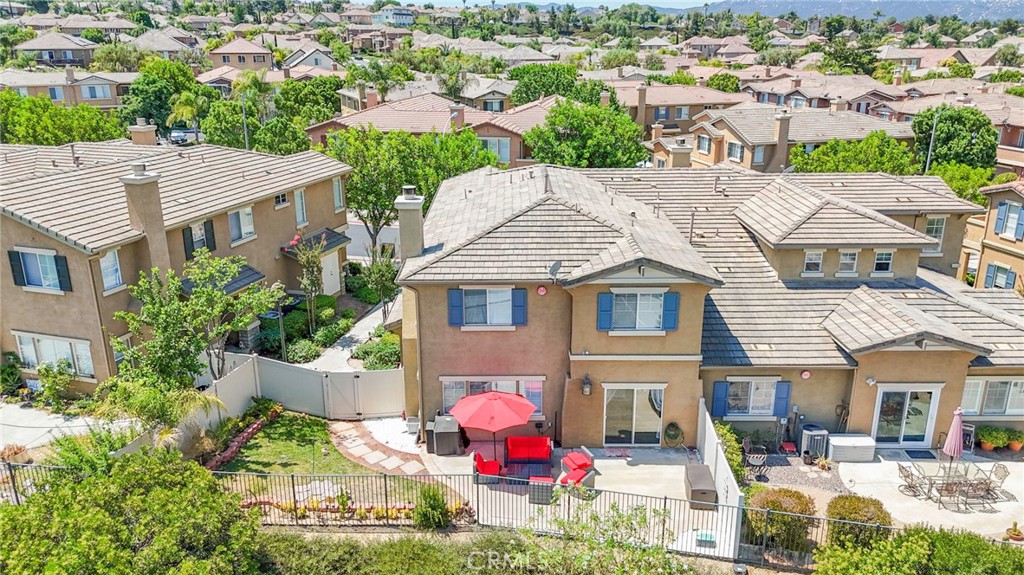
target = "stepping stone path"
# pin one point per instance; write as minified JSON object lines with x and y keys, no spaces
{"x":354,"y":442}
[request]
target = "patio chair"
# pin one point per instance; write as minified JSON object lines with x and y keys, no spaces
{"x":484,"y":471}
{"x":749,"y":447}
{"x":994,"y":483}
{"x":975,"y":490}
{"x":950,"y":490}
{"x":757,"y":462}
{"x":913,"y":484}
{"x":788,"y":448}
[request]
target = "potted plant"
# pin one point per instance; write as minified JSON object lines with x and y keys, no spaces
{"x":823,"y":463}
{"x":1015,"y":439}
{"x":1014,"y":533}
{"x":992,"y":437}
{"x":14,"y":453}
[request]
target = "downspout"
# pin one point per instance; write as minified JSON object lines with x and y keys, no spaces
{"x":108,"y":353}
{"x":419,"y":365}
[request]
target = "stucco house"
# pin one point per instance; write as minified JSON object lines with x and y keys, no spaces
{"x":615,"y":299}
{"x":80,"y":221}
{"x":59,"y":49}
{"x":243,"y":55}
{"x":104,"y":90}
{"x":672,"y":106}
{"x":995,"y":254}
{"x":813,"y":90}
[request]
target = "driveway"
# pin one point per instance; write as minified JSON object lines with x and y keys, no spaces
{"x":34,"y":427}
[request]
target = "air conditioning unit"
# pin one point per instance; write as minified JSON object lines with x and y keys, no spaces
{"x":813,"y":439}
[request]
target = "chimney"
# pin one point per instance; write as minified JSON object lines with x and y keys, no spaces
{"x":983,"y":89}
{"x":334,"y":66}
{"x":458,"y":116}
{"x":371,"y":99}
{"x":618,"y":72}
{"x":963,"y":100}
{"x":656,"y":131}
{"x":840,"y":105}
{"x":606,"y":98}
{"x":69,"y":74}
{"x":897,"y":80}
{"x":781,"y":154}
{"x":146,"y":214}
{"x":641,"y":105}
{"x":768,"y":72}
{"x":794,"y":83}
{"x":287,"y":72}
{"x":410,"y":223}
{"x":361,"y":91}
{"x":142,"y":134}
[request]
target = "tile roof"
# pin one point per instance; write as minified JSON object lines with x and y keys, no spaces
{"x":159,"y":41}
{"x":240,"y":46}
{"x":674,"y":95}
{"x":85,"y":206}
{"x":247,"y":275}
{"x":1000,"y":108}
{"x":1016,"y":186}
{"x":56,"y":41}
{"x":755,"y":124}
{"x":831,"y":87}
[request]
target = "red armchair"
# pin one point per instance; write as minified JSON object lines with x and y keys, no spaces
{"x":485,"y":471}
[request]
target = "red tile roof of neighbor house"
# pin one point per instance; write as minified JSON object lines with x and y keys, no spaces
{"x":665,"y":95}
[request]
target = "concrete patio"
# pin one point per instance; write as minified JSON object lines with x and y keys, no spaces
{"x":34,"y":427}
{"x":881,"y":479}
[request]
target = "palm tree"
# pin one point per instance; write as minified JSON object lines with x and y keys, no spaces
{"x":453,"y":80}
{"x":255,"y":88}
{"x":187,"y":107}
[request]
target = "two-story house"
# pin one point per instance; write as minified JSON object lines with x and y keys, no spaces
{"x":394,"y":16}
{"x":81,"y":222}
{"x":243,"y":55}
{"x":615,"y":299}
{"x":809,"y":90}
{"x":672,"y":106}
{"x":996,"y":253}
{"x":760,"y":137}
{"x":104,"y":90}
{"x":59,"y":49}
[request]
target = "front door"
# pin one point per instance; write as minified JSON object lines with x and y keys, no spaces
{"x":904,"y":417}
{"x":331,"y":273}
{"x":632,"y":415}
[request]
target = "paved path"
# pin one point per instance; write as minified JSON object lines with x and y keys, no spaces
{"x":335,"y":358}
{"x":354,"y":442}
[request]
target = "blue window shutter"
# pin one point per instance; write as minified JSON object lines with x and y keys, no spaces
{"x":17,"y":268}
{"x":720,"y":399}
{"x":670,"y":311}
{"x":990,"y":275}
{"x":519,"y":306}
{"x":455,"y":307}
{"x":604,"y":311}
{"x":1019,"y":232}
{"x":63,"y":275}
{"x":781,"y":398}
{"x":211,"y":242}
{"x":1011,"y":279}
{"x":186,"y":235}
{"x":1001,"y":217}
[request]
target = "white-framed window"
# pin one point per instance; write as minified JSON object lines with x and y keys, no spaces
{"x":762,"y":98}
{"x":659,"y":163}
{"x":491,"y":306}
{"x":47,"y":55}
{"x":40,"y":269}
{"x":998,"y":395}
{"x":637,"y":311}
{"x":23,"y":92}
{"x":281,"y":200}
{"x":758,"y":155}
{"x":798,"y":101}
{"x":241,"y":224}
{"x":735,"y":151}
{"x":454,"y":389}
{"x":848,"y":262}
{"x":935,"y":228}
{"x":751,"y":396}
{"x":1013,"y":214}
{"x":36,"y":349}
{"x":500,"y":146}
{"x":682,"y":112}
{"x":67,"y":55}
{"x":241,"y":59}
{"x":780,"y":99}
{"x":812,"y":262}
{"x":198,"y":235}
{"x":225,"y":59}
{"x":703,"y":144}
{"x":56,"y":93}
{"x":885,"y":115}
{"x":883,"y":262}
{"x":660,"y":113}
{"x":110,"y":268}
{"x":262,"y":59}
{"x":300,"y":208}
{"x":101,"y":92}
{"x":494,"y":105}
{"x":999,"y":277}
{"x":339,"y":194}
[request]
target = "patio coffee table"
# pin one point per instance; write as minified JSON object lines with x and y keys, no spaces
{"x":528,"y":470}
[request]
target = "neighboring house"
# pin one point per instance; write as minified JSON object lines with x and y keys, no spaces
{"x":59,"y":49}
{"x":489,"y":94}
{"x":357,"y":16}
{"x":500,"y":132}
{"x":668,"y":151}
{"x":104,"y":90}
{"x":707,"y":47}
{"x":996,"y":254}
{"x":311,"y":53}
{"x":749,"y":134}
{"x":628,"y":73}
{"x":671,"y":106}
{"x":732,"y":52}
{"x":978,"y":37}
{"x":654,"y":44}
{"x":900,"y":57}
{"x":326,"y":19}
{"x":243,"y":55}
{"x":80,"y":221}
{"x":768,"y":296}
{"x":204,"y":23}
{"x":937,"y":86}
{"x":13,"y":9}
{"x":75,"y":24}
{"x":819,"y":91}
{"x":378,"y":39}
{"x":394,"y":16}
{"x":159,"y":42}
{"x":221,"y":78}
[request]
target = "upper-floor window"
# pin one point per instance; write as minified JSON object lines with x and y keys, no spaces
{"x":500,"y":146}
{"x":56,"y":93}
{"x":848,"y":263}
{"x":40,"y":269}
{"x":762,"y":98}
{"x":494,"y":105}
{"x":241,"y":224}
{"x":225,"y":59}
{"x":703,"y":144}
{"x":651,"y":311}
{"x":999,"y":395}
{"x":491,"y":306}
{"x":300,"y":208}
{"x":1009,"y":223}
{"x":935,"y":228}
{"x":1020,"y":139}
{"x":281,"y":200}
{"x":262,"y":59}
{"x":735,"y":151}
{"x":798,"y":101}
{"x":780,"y":99}
{"x":999,"y":277}
{"x":660,"y":113}
{"x":758,"y":155}
{"x":36,"y":349}
{"x":883,"y":263}
{"x":682,"y":112}
{"x":241,"y":59}
{"x":339,"y":194}
{"x":812,"y":263}
{"x":47,"y":55}
{"x":96,"y":92}
{"x":67,"y":54}
{"x":198,"y":235}
{"x":110,"y":268}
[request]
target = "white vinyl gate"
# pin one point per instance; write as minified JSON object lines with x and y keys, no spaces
{"x":365,"y":394}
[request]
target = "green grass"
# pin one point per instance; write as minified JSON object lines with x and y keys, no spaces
{"x":294,"y":443}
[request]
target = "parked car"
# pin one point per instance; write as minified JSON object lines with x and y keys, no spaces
{"x":178,"y":137}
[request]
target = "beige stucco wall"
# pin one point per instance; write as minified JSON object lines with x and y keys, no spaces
{"x":1014,"y":421}
{"x":952,"y":240}
{"x":410,"y":350}
{"x":249,"y":64}
{"x":789,"y":263}
{"x":997,"y":249}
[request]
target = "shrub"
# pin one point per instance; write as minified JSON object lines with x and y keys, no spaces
{"x":352,"y":268}
{"x":784,"y":531}
{"x":322,"y":302}
{"x":996,"y":436}
{"x":269,"y":340}
{"x":733,"y":450}
{"x":382,"y":352}
{"x":302,"y":351}
{"x":431,"y":512}
{"x":10,"y":373}
{"x":55,"y":381}
{"x":861,"y":510}
{"x":89,"y":454}
{"x":1014,"y":436}
{"x":324,"y":315}
{"x":348,"y":313}
{"x":906,"y":557}
{"x":960,"y":552}
{"x":332,"y":332}
{"x":296,"y":325}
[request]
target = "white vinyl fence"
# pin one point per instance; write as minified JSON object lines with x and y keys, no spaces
{"x":713,"y":455}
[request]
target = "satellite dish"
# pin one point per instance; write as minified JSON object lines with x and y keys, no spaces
{"x":553,"y":272}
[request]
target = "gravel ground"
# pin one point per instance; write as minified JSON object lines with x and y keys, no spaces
{"x":782,"y":470}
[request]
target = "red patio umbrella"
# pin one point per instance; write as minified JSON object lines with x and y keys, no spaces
{"x":954,"y":445}
{"x":493,"y":411}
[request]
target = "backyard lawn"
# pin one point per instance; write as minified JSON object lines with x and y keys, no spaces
{"x":293,"y":443}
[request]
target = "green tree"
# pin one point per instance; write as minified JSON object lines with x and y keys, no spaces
{"x":538,"y":80}
{"x":187,"y":108}
{"x":962,"y":135}
{"x":314,"y":100}
{"x":619,"y":57}
{"x":94,"y":35}
{"x":878,"y":152}
{"x":153,"y":514}
{"x":120,"y":57}
{"x":1012,"y":76}
{"x":841,"y":58}
{"x":1016,"y":91}
{"x":252,"y":87}
{"x":453,"y":79}
{"x":380,"y":277}
{"x":223,"y":125}
{"x":177,"y":74}
{"x":38,"y":121}
{"x":381,"y":77}
{"x":586,"y":136}
{"x":964,"y":180}
{"x":1008,"y":55}
{"x":961,"y":70}
{"x":724,"y":82}
{"x":280,"y":137}
{"x":653,"y":61}
{"x":679,"y":77}
{"x":148,"y":97}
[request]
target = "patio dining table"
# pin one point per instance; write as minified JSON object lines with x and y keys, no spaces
{"x":938,"y":473}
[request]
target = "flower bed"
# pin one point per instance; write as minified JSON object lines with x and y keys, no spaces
{"x":239,"y":441}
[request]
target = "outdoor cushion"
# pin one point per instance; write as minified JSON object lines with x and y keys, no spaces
{"x":575,"y":477}
{"x":527,"y":449}
{"x":487,"y":467}
{"x":577,"y":460}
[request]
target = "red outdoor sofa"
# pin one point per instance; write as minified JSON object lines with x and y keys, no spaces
{"x":531,"y":449}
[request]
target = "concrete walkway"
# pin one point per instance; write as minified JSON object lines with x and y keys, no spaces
{"x":335,"y":358}
{"x":34,"y":427}
{"x":355,"y":442}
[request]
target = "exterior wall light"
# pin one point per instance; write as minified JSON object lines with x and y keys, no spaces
{"x":588,"y":386}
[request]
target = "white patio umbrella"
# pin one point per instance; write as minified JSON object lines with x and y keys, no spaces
{"x":954,"y":445}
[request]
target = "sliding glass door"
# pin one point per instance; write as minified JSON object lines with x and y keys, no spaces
{"x":632,"y":415}
{"x":904,"y":417}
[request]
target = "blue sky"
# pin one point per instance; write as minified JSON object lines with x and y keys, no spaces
{"x":578,"y":3}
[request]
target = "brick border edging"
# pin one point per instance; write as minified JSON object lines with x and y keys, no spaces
{"x":239,"y":441}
